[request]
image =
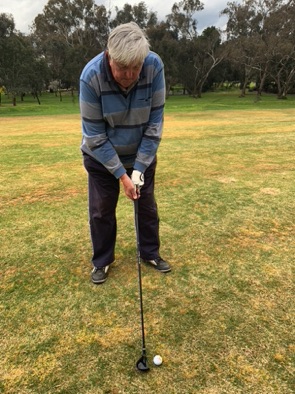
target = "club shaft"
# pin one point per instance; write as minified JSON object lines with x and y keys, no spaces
{"x":139,"y":275}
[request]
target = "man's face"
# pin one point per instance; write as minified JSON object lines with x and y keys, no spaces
{"x":125,"y":76}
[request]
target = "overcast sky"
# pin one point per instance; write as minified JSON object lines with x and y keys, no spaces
{"x":25,"y":11}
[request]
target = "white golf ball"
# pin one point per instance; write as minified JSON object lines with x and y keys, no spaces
{"x":157,"y":360}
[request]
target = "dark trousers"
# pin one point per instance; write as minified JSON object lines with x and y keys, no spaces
{"x":103,"y":194}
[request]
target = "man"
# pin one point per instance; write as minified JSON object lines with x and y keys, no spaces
{"x":122,"y":96}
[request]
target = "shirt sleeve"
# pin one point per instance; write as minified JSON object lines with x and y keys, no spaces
{"x":153,"y":132}
{"x":94,"y":133}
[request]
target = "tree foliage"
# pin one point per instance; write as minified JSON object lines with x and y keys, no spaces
{"x":258,"y":44}
{"x":69,"y":33}
{"x":21,"y":70}
{"x":138,"y":13}
{"x":182,"y":19}
{"x":261,"y":34}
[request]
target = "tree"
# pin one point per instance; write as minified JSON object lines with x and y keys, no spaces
{"x":181,"y":20}
{"x":18,"y":66}
{"x":7,"y":25}
{"x":138,"y":13}
{"x":164,"y":42}
{"x":208,"y":55}
{"x":202,"y":53}
{"x":243,"y":31}
{"x":282,"y":68}
{"x":260,"y":34}
{"x":68,"y":34}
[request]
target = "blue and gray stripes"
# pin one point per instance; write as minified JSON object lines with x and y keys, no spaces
{"x":122,"y":130}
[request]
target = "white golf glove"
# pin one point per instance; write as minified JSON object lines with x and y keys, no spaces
{"x":137,"y":178}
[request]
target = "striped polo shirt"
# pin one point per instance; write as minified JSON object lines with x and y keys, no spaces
{"x":122,"y":129}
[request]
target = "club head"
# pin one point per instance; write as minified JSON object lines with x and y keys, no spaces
{"x":142,"y":364}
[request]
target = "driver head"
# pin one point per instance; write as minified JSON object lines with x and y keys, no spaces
{"x":142,"y":364}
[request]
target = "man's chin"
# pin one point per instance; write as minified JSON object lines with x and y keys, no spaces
{"x":126,"y":85}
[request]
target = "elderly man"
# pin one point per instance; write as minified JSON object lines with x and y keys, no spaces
{"x":122,"y":96}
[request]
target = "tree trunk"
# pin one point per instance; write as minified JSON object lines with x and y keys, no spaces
{"x":243,"y":89}
{"x":37,"y":97}
{"x":264,"y":75}
{"x":167,"y":89}
{"x":283,"y":95}
{"x":279,"y":85}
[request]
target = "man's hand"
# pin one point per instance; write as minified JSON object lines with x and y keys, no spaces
{"x":137,"y":178}
{"x":129,"y":188}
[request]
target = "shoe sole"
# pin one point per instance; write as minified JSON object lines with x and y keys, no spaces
{"x":164,"y":271}
{"x":98,"y":282}
{"x":154,"y":266}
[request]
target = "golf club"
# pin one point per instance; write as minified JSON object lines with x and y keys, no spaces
{"x":141,"y":364}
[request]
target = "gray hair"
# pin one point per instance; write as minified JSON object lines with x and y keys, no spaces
{"x":128,"y":44}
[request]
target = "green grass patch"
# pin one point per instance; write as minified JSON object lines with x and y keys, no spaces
{"x":225,"y":101}
{"x":223,"y":319}
{"x":52,"y":104}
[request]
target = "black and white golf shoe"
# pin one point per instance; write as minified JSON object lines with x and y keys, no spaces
{"x":99,"y":275}
{"x":159,"y":264}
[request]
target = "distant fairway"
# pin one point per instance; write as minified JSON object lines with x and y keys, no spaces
{"x":223,"y":320}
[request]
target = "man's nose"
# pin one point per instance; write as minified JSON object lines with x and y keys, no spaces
{"x":129,"y":74}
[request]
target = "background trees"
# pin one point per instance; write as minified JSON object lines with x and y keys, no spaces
{"x":261,"y":35}
{"x":69,"y":33}
{"x":257,"y":45}
{"x":21,"y":69}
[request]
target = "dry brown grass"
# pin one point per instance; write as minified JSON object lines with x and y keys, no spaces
{"x":223,"y":320}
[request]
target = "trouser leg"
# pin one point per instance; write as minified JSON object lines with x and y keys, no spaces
{"x":148,"y":220}
{"x":103,"y":192}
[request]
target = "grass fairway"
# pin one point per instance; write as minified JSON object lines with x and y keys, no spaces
{"x":223,"y":319}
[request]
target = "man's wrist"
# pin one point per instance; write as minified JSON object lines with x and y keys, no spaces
{"x":123,"y":177}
